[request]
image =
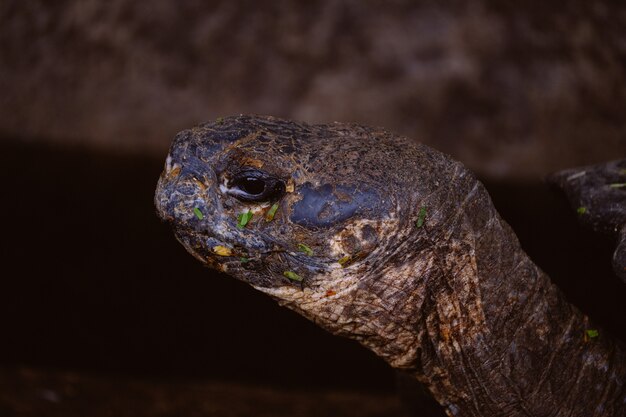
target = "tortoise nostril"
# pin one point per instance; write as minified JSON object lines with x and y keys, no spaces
{"x":188,"y":187}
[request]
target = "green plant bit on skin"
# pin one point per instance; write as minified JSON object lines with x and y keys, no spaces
{"x":198,"y":213}
{"x":618,"y":185}
{"x":581,"y":210}
{"x":344,"y":261}
{"x":421,"y":217}
{"x":292,"y":276}
{"x":243,"y":219}
{"x":219,"y":120}
{"x":348,"y":260}
{"x":244,"y":260}
{"x":271,"y":213}
{"x":591,"y":333}
{"x":304,"y":248}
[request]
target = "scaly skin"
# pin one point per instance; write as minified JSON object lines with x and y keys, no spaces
{"x":436,"y":284}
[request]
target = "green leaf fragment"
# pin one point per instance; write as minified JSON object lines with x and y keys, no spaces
{"x":344,"y":261}
{"x":244,"y":260}
{"x":618,"y":185}
{"x":581,"y":210}
{"x":243,"y":219}
{"x":219,"y":120}
{"x":304,"y":248}
{"x":348,"y":260}
{"x":421,"y":217}
{"x":292,"y":276}
{"x":592,"y":333}
{"x":271,"y":213}
{"x":198,"y":213}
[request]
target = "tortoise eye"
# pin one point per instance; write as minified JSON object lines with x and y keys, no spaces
{"x":254,"y":185}
{"x":251,"y":185}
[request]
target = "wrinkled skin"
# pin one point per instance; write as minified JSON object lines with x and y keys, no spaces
{"x":409,"y":257}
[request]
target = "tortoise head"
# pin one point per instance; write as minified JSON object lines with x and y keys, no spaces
{"x":314,"y":215}
{"x":276,"y":203}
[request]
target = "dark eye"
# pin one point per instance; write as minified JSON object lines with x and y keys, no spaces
{"x":253,"y":185}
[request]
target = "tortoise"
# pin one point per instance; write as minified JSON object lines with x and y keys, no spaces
{"x":389,"y":242}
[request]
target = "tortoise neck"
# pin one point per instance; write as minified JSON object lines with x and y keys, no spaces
{"x":494,"y":336}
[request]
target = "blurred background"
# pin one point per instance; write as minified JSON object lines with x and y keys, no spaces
{"x":103,"y":313}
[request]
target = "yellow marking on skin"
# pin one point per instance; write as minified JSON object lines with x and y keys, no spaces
{"x":200,"y":184}
{"x":251,"y":162}
{"x":174,"y":172}
{"x":222,"y":251}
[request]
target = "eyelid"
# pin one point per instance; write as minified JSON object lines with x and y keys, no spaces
{"x":248,"y":173}
{"x":253,"y":173}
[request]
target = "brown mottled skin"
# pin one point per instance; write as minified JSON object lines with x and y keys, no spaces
{"x":454,"y":301}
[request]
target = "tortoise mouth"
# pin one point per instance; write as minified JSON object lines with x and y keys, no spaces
{"x":207,"y":244}
{"x":264,"y":265}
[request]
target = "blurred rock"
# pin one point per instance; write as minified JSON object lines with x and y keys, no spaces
{"x":513,"y":91}
{"x":36,"y":393}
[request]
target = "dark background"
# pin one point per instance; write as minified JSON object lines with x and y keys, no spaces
{"x":95,"y":291}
